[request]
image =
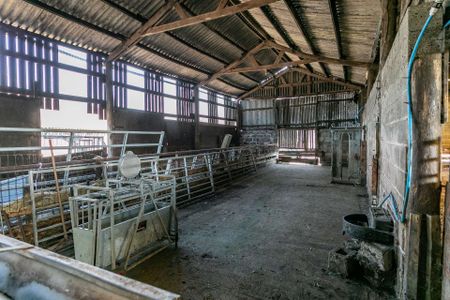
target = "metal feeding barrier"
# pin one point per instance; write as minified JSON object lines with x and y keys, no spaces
{"x":40,"y":212}
{"x":33,"y":190}
{"x":196,"y":176}
{"x":127,"y":221}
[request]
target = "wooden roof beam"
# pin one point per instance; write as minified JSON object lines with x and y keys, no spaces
{"x":279,"y":57}
{"x":137,"y":35}
{"x":296,"y":14}
{"x":266,"y":67}
{"x":260,"y":86}
{"x":299,"y":84}
{"x":222,"y":4}
{"x":120,"y":37}
{"x":319,"y":58}
{"x":337,"y":33}
{"x":216,"y":14}
{"x":142,"y":20}
{"x":335,"y":79}
{"x":305,"y":59}
{"x":236,"y":63}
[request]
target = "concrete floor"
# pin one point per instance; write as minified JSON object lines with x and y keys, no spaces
{"x":266,"y":238}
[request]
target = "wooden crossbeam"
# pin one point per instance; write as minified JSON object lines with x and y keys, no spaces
{"x":137,"y":35}
{"x":308,"y":74}
{"x":299,"y":84}
{"x":216,"y":14}
{"x":279,"y":57}
{"x":222,"y":4}
{"x":324,"y":78}
{"x":235,"y":63}
{"x":180,"y":11}
{"x":298,"y":15}
{"x":305,"y":59}
{"x":319,"y":58}
{"x":253,"y":61}
{"x":260,"y":86}
{"x":266,"y":67}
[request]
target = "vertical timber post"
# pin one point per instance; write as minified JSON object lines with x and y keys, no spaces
{"x":197,"y":117}
{"x":424,"y":198}
{"x":109,"y":102}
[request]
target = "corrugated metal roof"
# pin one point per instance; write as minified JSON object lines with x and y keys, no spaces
{"x":198,"y":51}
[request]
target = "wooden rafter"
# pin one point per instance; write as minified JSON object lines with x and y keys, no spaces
{"x":216,"y":14}
{"x":236,"y":63}
{"x":119,"y":37}
{"x":253,"y":60}
{"x":296,"y":14}
{"x":319,"y":58}
{"x":260,"y":86}
{"x":304,"y":59}
{"x":137,"y":35}
{"x":299,"y":84}
{"x":222,"y":4}
{"x":142,"y":20}
{"x":280,"y":56}
{"x":180,"y":11}
{"x":306,"y":74}
{"x":337,"y":32}
{"x":281,"y":97}
{"x":324,"y":78}
{"x":266,"y":67}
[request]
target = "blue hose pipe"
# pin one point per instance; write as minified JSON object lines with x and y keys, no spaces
{"x":410,"y":118}
{"x":447,"y":24}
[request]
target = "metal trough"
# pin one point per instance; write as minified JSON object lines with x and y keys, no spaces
{"x":28,"y":272}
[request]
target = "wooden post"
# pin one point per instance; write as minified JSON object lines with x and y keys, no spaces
{"x":412,"y":256}
{"x":109,"y":102}
{"x":424,"y":197}
{"x":372,"y":74}
{"x":388,"y":28}
{"x":197,"y":117}
{"x":427,"y":85}
{"x":58,"y":194}
{"x":446,"y":249}
{"x":433,"y":274}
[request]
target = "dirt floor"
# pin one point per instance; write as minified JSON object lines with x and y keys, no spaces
{"x":268,"y":237}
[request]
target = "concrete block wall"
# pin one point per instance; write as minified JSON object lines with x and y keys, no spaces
{"x":255,"y":136}
{"x":386,"y":105}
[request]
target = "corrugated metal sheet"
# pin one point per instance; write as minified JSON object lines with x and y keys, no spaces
{"x":316,"y":111}
{"x":258,"y":113}
{"x":29,"y":17}
{"x":358,"y":20}
{"x":299,"y":139}
{"x":197,"y":51}
{"x":169,"y":54}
